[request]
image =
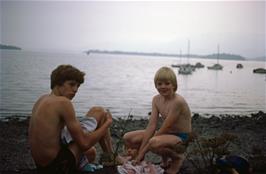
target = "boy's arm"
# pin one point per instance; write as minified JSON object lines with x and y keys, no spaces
{"x":149,"y":132}
{"x":84,"y":140}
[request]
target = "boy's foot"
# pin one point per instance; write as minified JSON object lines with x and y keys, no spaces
{"x":165,"y":163}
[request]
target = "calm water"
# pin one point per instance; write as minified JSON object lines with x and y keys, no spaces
{"x":123,"y":83}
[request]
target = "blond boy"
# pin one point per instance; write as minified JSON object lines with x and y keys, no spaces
{"x":174,"y":130}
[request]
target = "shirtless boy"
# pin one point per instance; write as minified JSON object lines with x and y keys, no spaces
{"x":174,"y":130}
{"x":54,"y":111}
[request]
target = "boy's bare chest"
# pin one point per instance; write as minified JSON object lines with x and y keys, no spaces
{"x":164,"y":109}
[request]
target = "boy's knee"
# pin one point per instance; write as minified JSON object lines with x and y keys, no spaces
{"x":130,"y":140}
{"x":98,"y":113}
{"x":95,"y":110}
{"x":154,"y":144}
{"x":125,"y":137}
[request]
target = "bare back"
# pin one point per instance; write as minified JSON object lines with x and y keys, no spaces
{"x":45,"y":128}
{"x":175,"y":113}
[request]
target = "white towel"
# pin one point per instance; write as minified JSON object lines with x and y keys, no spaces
{"x":88,"y":124}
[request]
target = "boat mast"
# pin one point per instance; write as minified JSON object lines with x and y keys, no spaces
{"x":218,"y":53}
{"x":188,"y":50}
{"x":180,"y":55}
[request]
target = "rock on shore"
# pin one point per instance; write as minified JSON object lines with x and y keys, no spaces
{"x":15,"y":151}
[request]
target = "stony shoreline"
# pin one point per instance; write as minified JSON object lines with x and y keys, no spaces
{"x":250,"y":130}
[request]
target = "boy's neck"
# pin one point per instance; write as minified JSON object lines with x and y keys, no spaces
{"x":169,"y":97}
{"x":55,"y":92}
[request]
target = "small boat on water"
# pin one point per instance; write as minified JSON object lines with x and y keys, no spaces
{"x":259,"y":71}
{"x":215,"y":67}
{"x":199,"y":65}
{"x":239,"y":66}
{"x":185,"y":70}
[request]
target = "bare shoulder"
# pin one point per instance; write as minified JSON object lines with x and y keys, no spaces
{"x":54,"y":99}
{"x":60,"y":99}
{"x":182,"y":105}
{"x":156,"y":98}
{"x":51,"y":102}
{"x":39,"y":102}
{"x":60,"y":102}
{"x":179,"y":100}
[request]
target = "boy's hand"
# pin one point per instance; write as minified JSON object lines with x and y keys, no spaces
{"x":138,"y":159}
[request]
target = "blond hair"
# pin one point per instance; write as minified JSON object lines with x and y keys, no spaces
{"x":166,"y":73}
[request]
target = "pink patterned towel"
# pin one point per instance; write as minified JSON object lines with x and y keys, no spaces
{"x":143,"y":168}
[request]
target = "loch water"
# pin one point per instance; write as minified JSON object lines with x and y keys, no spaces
{"x":124,"y":83}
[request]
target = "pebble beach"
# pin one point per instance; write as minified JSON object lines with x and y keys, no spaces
{"x":250,"y":131}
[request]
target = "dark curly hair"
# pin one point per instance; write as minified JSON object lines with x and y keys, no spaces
{"x":66,"y":72}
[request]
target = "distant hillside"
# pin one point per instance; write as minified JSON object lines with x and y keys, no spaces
{"x":225,"y":56}
{"x":9,"y":47}
{"x":211,"y":56}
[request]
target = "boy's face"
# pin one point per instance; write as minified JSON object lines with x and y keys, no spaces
{"x":69,"y":89}
{"x":165,"y":87}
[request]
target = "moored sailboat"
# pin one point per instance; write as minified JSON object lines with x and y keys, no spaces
{"x":186,"y":68}
{"x":216,"y":66}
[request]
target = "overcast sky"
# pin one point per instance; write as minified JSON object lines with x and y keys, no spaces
{"x":238,"y":27}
